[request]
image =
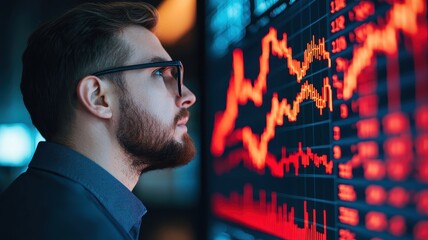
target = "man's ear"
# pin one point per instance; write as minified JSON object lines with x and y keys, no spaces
{"x":95,"y":96}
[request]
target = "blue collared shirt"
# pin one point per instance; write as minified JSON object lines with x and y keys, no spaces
{"x":69,"y":167}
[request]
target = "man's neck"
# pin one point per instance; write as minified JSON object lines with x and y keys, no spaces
{"x":109,"y":156}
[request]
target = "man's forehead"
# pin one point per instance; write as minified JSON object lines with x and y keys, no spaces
{"x":145,"y":47}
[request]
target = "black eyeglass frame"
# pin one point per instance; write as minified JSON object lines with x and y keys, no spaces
{"x":175,"y":63}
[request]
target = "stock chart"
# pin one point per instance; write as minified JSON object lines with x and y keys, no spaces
{"x":317,"y":119}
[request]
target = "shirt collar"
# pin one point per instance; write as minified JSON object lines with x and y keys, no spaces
{"x":123,"y":205}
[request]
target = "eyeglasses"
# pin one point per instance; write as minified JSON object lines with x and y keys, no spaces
{"x":174,"y":68}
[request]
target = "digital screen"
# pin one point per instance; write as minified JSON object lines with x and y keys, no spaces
{"x":317,"y":119}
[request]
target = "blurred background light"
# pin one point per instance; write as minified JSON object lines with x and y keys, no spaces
{"x":182,"y":13}
{"x":16,"y":144}
{"x":227,"y":25}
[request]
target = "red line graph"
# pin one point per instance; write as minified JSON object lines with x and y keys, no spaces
{"x":276,"y":167}
{"x":381,"y":142}
{"x":241,"y":90}
{"x":268,"y":217}
{"x":403,"y":17}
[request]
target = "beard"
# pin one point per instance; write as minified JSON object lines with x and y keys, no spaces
{"x":149,"y":143}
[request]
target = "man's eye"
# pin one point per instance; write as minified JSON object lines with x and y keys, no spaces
{"x":159,"y":72}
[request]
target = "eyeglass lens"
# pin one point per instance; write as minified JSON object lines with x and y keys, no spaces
{"x":175,"y":72}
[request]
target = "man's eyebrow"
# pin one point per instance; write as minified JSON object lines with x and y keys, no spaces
{"x":156,"y":59}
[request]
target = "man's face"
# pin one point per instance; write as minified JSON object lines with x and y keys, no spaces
{"x":152,"y":116}
{"x":149,"y":141}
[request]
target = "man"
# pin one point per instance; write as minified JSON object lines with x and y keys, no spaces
{"x":111,"y":105}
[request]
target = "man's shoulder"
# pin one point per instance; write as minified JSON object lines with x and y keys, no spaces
{"x":40,"y":202}
{"x":44,"y":190}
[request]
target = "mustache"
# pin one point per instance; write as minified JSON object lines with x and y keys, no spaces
{"x":183,"y":113}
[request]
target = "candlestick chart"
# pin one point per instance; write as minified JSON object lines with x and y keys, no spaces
{"x":317,"y":119}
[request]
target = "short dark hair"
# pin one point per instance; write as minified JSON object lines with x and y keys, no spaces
{"x":61,"y":52}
